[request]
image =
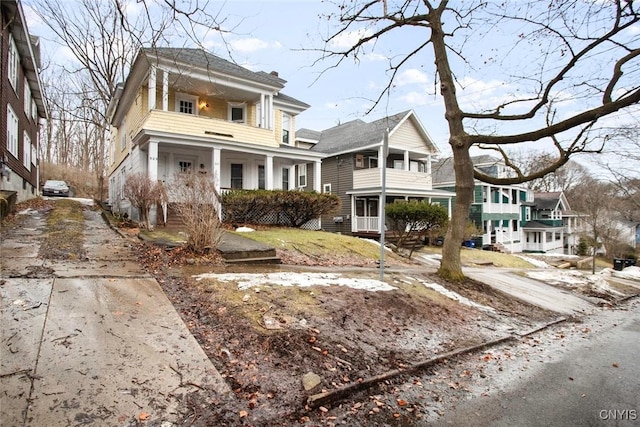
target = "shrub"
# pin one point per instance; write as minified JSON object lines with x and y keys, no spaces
{"x":277,"y":207}
{"x":414,"y":219}
{"x":143,"y":193}
{"x":198,"y":204}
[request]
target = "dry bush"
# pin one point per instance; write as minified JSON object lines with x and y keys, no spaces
{"x":197,"y":202}
{"x":143,"y":193}
{"x":84,"y":183}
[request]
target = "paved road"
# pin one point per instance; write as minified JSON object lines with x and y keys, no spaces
{"x":92,"y":341}
{"x":584,"y":382}
{"x":531,"y":291}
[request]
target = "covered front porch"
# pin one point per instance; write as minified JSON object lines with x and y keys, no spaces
{"x":543,"y":239}
{"x":367,"y":209}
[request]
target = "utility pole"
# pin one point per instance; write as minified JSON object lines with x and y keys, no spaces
{"x":383,"y":199}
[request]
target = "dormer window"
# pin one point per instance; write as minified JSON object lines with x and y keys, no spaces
{"x":237,"y":112}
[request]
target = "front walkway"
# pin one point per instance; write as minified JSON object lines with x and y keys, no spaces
{"x":92,"y":341}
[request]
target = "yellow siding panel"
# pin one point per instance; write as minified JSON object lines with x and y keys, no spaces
{"x":407,"y":137}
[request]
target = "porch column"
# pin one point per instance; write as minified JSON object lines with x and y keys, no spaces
{"x":215,"y":168}
{"x":152,"y":161}
{"x":165,"y":90}
{"x":317,"y":176}
{"x":354,"y":222}
{"x":152,"y":88}
{"x":449,"y":207}
{"x":429,"y":164}
{"x":292,"y":178}
{"x":270,"y":112}
{"x":268,"y":173}
{"x":261,"y":119}
{"x":406,"y":160}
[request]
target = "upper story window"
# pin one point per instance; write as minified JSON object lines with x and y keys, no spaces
{"x":286,"y":128}
{"x":14,"y":63}
{"x":12,"y":131}
{"x":27,"y":98}
{"x":34,"y":110}
{"x":186,"y":104}
{"x":237,"y":112}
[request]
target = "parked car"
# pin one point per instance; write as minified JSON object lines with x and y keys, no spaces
{"x":55,"y":188}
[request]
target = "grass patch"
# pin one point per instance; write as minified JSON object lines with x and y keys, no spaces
{"x":64,"y":238}
{"x":319,"y":244}
{"x":480,"y":257}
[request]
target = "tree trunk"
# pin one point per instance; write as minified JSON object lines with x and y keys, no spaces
{"x":450,"y":266}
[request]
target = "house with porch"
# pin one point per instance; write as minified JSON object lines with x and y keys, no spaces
{"x":22,"y":104}
{"x":352,"y":168}
{"x":186,"y":110}
{"x":499,"y":211}
{"x":551,"y":226}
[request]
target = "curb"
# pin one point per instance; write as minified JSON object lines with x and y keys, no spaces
{"x":317,"y":400}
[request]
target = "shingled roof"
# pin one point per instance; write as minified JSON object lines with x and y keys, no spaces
{"x":442,"y":170}
{"x":203,"y":59}
{"x":352,"y":135}
{"x":547,"y":201}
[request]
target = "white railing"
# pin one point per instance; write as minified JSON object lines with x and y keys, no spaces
{"x":367,"y":223}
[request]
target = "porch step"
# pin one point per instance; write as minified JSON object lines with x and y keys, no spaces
{"x":259,"y":260}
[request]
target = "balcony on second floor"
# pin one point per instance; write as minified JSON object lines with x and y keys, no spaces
{"x":395,"y":178}
{"x":205,"y":127}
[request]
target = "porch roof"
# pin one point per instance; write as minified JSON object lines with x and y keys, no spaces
{"x":377,"y":191}
{"x":535,"y":225}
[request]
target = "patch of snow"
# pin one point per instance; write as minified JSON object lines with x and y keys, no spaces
{"x":244,"y":229}
{"x":574,"y":279}
{"x":455,"y":296}
{"x":536,"y":262}
{"x":27,"y":211}
{"x":631,"y":273}
{"x":249,"y":280}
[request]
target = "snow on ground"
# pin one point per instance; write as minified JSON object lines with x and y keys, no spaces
{"x":534,"y":261}
{"x":574,"y":279}
{"x":455,"y":296}
{"x":249,"y":280}
{"x":630,"y":273}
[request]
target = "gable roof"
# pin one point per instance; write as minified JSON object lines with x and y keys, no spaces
{"x":358,"y":134}
{"x":442,"y":170}
{"x":547,"y":201}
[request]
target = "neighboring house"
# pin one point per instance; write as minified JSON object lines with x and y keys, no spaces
{"x":352,"y":169}
{"x":186,"y":110}
{"x":22,"y":103}
{"x":553,"y":227}
{"x":499,"y":211}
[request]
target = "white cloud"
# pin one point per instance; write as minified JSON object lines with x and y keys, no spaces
{"x":349,"y":38}
{"x":248,"y":45}
{"x":417,"y":98}
{"x":374,"y":57}
{"x":411,"y":76}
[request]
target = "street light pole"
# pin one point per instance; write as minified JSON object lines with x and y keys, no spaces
{"x":383,"y":199}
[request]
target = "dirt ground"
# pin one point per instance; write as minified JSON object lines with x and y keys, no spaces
{"x":277,"y":346}
{"x":266,"y":340}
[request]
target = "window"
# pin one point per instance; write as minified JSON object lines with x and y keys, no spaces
{"x":373,"y":162}
{"x":261,"y":177}
{"x":123,"y":136}
{"x":285,"y":178}
{"x":34,"y":110}
{"x":236,"y":176}
{"x":186,"y":104}
{"x":527,"y":214}
{"x":26,"y":150}
{"x":27,"y":98}
{"x":515,"y":225}
{"x":286,"y":128}
{"x":237,"y":112}
{"x":326,"y":188}
{"x":398,"y":164}
{"x":302,"y":175}
{"x":185,"y":166}
{"x":34,"y":155}
{"x":12,"y":132}
{"x":14,"y":62}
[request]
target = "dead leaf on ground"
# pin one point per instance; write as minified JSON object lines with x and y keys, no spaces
{"x":143,"y":416}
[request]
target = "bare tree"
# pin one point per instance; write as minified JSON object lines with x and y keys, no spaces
{"x":143,"y":194}
{"x":562,"y":179}
{"x":570,"y":65}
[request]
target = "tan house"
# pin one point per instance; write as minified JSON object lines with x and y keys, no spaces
{"x":185,"y":109}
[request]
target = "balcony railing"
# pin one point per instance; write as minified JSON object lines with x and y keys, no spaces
{"x":201,"y":126}
{"x":395,"y":178}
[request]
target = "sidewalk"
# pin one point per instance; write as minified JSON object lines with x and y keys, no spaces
{"x":93,"y":341}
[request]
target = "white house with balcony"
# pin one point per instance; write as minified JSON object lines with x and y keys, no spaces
{"x":186,"y":110}
{"x":352,"y":169}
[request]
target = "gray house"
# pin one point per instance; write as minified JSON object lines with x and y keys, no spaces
{"x":352,"y":169}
